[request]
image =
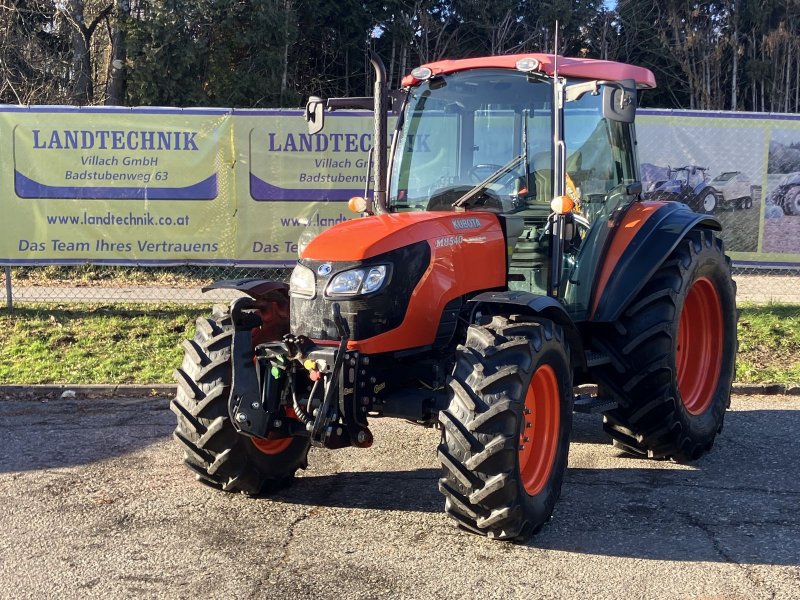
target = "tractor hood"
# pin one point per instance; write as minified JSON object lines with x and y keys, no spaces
{"x":364,"y":238}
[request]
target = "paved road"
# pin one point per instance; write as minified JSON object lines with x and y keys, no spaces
{"x":94,"y":504}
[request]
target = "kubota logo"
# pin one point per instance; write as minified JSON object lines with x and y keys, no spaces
{"x":470,"y":223}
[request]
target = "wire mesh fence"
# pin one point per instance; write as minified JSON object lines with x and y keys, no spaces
{"x":92,"y":284}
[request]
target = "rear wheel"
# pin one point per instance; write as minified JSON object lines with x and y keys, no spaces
{"x":791,"y":201}
{"x":213,"y":450}
{"x":505,"y":435}
{"x":675,"y":351}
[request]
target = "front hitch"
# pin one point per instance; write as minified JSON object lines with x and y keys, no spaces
{"x":265,"y":376}
{"x":251,"y":406}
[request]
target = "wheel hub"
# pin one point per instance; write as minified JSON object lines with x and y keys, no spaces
{"x":697,"y":354}
{"x":538,"y":438}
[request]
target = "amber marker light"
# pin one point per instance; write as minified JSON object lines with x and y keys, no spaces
{"x":561,"y":205}
{"x":357,"y":204}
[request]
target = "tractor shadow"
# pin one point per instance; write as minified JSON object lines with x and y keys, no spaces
{"x":408,"y":491}
{"x":51,"y":433}
{"x":737,"y":504}
{"x":588,"y":429}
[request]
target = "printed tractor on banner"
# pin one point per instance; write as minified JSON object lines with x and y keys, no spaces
{"x":691,"y":185}
{"x":786,"y":195}
{"x":495,"y":271}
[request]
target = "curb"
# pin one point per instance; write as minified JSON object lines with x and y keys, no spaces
{"x":88,"y":391}
{"x":168,"y":389}
{"x":766,"y":389}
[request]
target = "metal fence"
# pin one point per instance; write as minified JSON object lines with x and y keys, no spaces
{"x":91,"y":284}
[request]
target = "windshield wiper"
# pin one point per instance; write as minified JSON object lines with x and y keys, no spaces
{"x":476,"y":191}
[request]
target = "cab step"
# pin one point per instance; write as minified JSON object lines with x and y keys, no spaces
{"x":596,"y":359}
{"x":592,"y":405}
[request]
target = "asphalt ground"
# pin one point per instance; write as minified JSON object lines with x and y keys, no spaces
{"x":94,"y":503}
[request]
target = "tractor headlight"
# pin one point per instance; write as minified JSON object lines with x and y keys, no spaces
{"x":301,"y":283}
{"x":358,"y":281}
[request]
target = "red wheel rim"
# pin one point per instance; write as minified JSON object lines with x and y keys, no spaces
{"x":272,"y":446}
{"x":698,"y":352}
{"x":538,"y":437}
{"x":274,"y":323}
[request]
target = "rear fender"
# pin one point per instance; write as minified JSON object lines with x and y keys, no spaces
{"x":645,"y":237}
{"x":535,"y":305}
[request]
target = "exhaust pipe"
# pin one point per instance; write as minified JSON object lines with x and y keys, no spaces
{"x":379,"y":166}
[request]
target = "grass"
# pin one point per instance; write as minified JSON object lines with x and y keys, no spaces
{"x":769,"y":344}
{"x":115,"y":276}
{"x":85,"y":344}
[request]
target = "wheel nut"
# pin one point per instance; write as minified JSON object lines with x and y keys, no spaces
{"x":361,"y":437}
{"x":241,"y":417}
{"x":255,"y":405}
{"x":277,"y":423}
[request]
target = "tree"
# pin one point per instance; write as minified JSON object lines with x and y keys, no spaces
{"x":117,"y":65}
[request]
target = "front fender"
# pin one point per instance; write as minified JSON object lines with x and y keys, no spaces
{"x":258,"y":289}
{"x":546,"y":307}
{"x":644,"y":238}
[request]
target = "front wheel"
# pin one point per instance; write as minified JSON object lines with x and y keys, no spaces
{"x":214,"y":451}
{"x":505,"y":435}
{"x":707,"y":202}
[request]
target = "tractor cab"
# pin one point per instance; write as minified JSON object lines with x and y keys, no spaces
{"x":507,"y":135}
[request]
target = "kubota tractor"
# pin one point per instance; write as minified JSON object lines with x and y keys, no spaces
{"x":504,"y":259}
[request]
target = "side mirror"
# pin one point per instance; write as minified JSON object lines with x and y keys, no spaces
{"x":634,"y":188}
{"x":315,"y":114}
{"x":619,"y":100}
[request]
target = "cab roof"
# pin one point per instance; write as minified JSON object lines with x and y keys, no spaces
{"x":584,"y":68}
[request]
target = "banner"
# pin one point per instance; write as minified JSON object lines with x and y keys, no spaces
{"x":247,"y":187}
{"x":115,"y":185}
{"x":744,"y":168}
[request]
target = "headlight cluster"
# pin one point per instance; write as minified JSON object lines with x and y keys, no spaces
{"x":354,"y":282}
{"x":358,"y":281}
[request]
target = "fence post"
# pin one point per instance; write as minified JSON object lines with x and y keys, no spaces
{"x":9,"y":297}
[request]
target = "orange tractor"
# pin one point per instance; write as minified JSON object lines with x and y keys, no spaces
{"x":505,"y":258}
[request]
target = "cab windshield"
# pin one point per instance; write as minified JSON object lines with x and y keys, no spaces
{"x":465,"y":133}
{"x":482,"y":139}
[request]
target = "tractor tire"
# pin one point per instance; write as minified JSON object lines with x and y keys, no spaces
{"x":214,"y":451}
{"x":706,"y":202}
{"x":791,"y":201}
{"x":673,"y":355}
{"x":505,"y":434}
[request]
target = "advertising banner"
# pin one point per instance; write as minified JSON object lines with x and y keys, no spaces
{"x":248,"y":187}
{"x":291,"y":185}
{"x":743,"y":168}
{"x":115,"y":186}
